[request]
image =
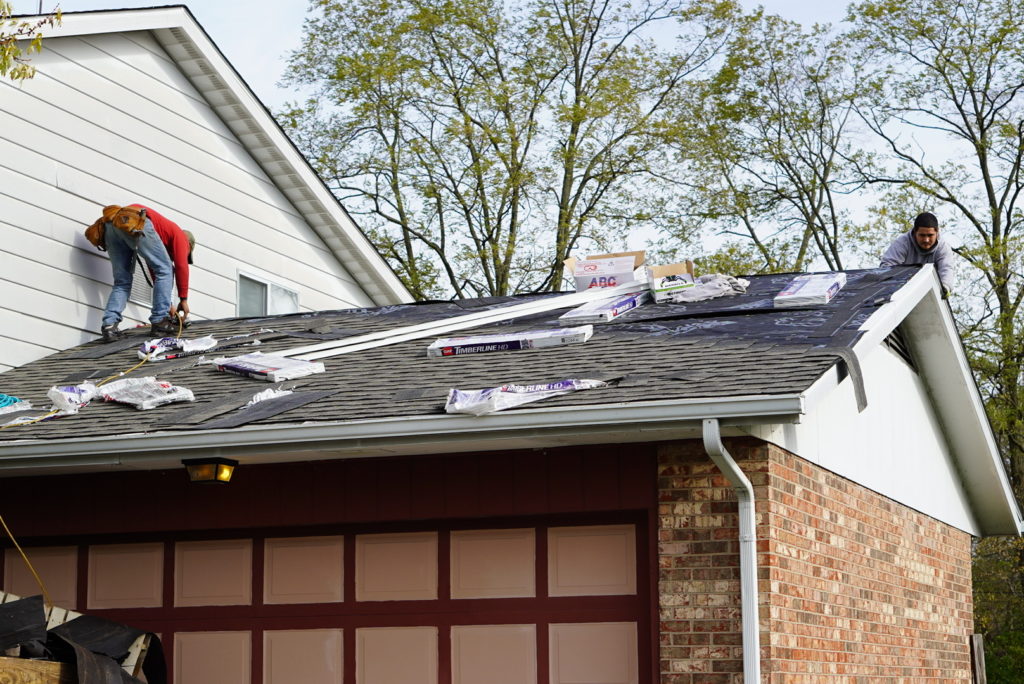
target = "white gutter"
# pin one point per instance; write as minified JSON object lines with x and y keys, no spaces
{"x":322,"y":350}
{"x":440,"y":432}
{"x":748,"y":548}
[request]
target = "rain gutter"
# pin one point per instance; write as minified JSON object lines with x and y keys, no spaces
{"x":748,"y":547}
{"x":454,"y":431}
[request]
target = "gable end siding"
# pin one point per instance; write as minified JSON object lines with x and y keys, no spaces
{"x":111,"y":118}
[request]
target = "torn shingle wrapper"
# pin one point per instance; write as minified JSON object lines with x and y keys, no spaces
{"x":480,"y":402}
{"x":11,"y":404}
{"x":173,"y":347}
{"x":528,"y":339}
{"x":68,"y":399}
{"x":268,"y":366}
{"x":267,"y":394}
{"x":710,"y":286}
{"x":145,"y":393}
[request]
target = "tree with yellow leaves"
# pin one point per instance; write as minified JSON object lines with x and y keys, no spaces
{"x":19,"y":38}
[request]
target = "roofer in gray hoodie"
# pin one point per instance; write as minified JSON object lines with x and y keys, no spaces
{"x":923,"y":245}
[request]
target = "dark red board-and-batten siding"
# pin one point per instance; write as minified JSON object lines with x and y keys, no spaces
{"x":607,"y":485}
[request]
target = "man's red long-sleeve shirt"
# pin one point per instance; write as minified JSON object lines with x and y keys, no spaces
{"x":176,"y":242}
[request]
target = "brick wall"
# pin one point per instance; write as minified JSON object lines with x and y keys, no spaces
{"x":853,"y":587}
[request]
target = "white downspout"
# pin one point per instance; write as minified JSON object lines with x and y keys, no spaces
{"x":748,"y":549}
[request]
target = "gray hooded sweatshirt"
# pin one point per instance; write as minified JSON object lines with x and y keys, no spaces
{"x":904,"y":250}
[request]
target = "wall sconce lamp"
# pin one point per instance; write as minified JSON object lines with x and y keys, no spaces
{"x":209,"y":469}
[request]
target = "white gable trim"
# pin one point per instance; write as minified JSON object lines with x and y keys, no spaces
{"x":949,"y":387}
{"x":212,"y":75}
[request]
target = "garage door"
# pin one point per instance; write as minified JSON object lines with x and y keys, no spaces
{"x":513,"y":602}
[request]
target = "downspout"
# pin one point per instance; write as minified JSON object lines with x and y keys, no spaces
{"x":748,"y":548}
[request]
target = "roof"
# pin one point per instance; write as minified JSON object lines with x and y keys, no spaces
{"x":219,"y":83}
{"x":718,"y":349}
{"x":734,"y":349}
{"x":668,"y":366}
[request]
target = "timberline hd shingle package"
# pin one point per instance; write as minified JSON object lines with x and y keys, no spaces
{"x":811,"y":289}
{"x":268,"y":367}
{"x":527,"y":339}
{"x":605,"y":310}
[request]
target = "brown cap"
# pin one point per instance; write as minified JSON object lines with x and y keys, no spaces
{"x":191,"y":244}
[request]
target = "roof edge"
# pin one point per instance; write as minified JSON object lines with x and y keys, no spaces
{"x":439,"y":432}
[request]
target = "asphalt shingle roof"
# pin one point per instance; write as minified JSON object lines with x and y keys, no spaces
{"x":731,"y":346}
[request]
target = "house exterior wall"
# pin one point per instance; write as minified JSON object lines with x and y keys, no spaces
{"x":852,"y":586}
{"x":110,"y":119}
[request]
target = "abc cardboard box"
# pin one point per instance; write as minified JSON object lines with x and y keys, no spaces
{"x":607,"y":270}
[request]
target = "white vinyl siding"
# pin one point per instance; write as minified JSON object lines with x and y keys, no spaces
{"x":111,"y":119}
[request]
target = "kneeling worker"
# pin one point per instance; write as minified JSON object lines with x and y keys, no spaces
{"x":167,"y":251}
{"x":923,"y":245}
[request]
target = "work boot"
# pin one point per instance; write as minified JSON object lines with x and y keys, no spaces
{"x":111,"y":333}
{"x":165,"y":328}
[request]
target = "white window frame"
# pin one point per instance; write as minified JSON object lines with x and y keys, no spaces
{"x":269,"y":283}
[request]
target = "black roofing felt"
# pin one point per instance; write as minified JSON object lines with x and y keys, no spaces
{"x":731,"y":346}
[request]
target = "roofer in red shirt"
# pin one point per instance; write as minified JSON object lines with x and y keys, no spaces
{"x":167,"y":251}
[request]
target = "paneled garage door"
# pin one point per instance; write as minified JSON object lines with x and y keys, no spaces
{"x":512,"y":602}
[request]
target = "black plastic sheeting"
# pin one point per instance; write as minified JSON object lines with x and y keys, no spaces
{"x":753,"y":316}
{"x":21,"y":621}
{"x":96,"y":646}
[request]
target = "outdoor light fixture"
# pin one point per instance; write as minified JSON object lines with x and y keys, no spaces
{"x":209,"y":469}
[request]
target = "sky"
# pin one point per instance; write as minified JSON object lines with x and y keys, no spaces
{"x":257,"y":35}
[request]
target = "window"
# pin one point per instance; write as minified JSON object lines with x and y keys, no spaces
{"x":260,"y":297}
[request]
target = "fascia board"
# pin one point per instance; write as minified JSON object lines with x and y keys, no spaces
{"x":349,"y":245}
{"x":437,"y":432}
{"x":114,"y":21}
{"x":943,"y":364}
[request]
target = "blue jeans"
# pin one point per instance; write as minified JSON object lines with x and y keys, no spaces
{"x":122,"y":248}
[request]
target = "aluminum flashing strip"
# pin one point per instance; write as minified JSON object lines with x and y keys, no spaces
{"x":856,"y":375}
{"x":446,"y":325}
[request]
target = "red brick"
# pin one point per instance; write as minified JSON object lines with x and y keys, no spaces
{"x":852,"y":586}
